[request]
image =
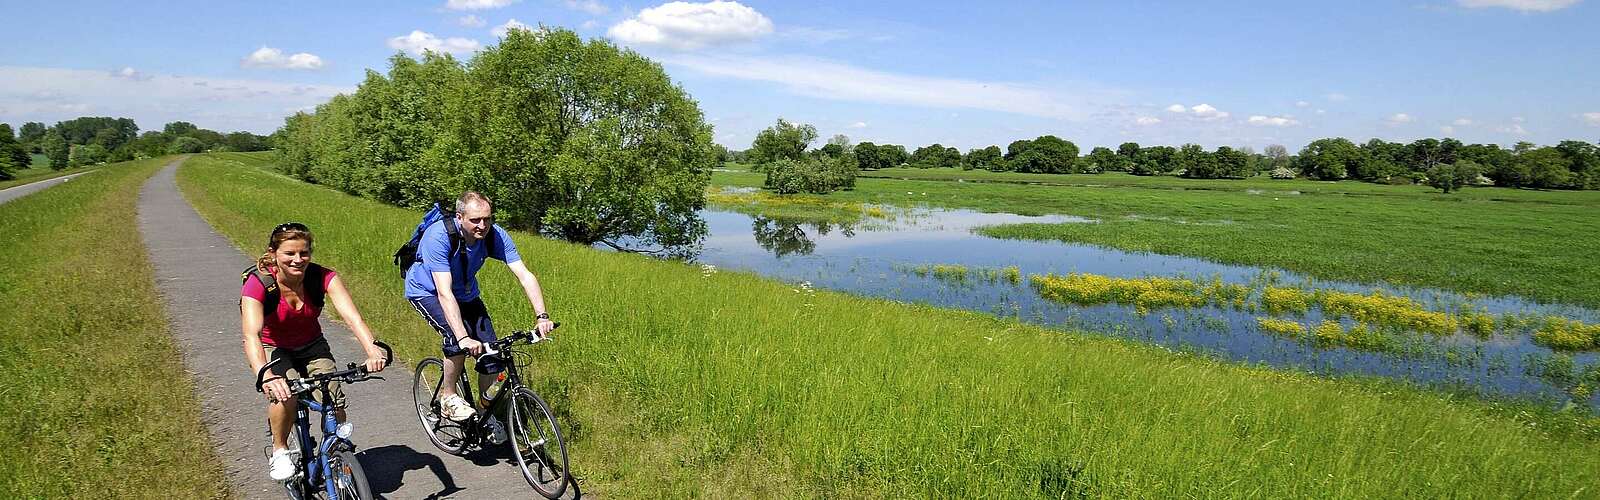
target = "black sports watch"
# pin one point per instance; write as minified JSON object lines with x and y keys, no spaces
{"x":543,"y":315}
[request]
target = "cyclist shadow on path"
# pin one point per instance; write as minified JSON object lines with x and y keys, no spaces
{"x":386,"y":467}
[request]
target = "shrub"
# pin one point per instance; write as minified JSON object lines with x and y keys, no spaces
{"x":1282,"y":173}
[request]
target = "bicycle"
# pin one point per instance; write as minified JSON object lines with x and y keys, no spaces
{"x":332,"y":469}
{"x":534,"y":435}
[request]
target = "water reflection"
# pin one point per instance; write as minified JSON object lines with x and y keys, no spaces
{"x":882,"y":258}
{"x":785,"y":236}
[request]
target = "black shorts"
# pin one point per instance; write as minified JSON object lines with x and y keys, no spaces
{"x":473,"y":316}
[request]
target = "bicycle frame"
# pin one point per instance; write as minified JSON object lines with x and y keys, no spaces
{"x":318,"y":471}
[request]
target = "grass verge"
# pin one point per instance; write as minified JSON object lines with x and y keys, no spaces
{"x":1485,"y":240}
{"x":725,"y":384}
{"x":95,"y":402}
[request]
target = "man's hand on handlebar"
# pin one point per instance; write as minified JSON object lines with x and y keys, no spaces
{"x":470,"y":345}
{"x":544,"y":326}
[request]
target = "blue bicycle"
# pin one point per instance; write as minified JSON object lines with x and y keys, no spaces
{"x":330,"y":471}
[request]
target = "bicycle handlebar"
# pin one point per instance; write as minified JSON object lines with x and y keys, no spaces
{"x":352,"y":373}
{"x":531,"y":336}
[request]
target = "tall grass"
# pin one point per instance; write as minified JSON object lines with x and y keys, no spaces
{"x":678,"y":381}
{"x":94,"y":401}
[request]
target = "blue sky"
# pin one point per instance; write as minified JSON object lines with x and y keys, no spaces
{"x":967,"y":74}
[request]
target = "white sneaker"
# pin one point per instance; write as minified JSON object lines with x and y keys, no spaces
{"x":282,"y":465}
{"x":454,"y":407}
{"x":497,"y":432}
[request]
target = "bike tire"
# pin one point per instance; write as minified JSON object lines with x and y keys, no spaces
{"x":349,"y":480}
{"x":449,"y":436}
{"x":536,"y":443}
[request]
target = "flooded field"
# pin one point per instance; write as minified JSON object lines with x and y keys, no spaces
{"x":1244,"y":314}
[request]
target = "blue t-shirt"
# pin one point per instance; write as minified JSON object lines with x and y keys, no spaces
{"x":435,"y":252}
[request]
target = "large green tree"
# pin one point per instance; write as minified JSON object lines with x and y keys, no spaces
{"x":782,"y":140}
{"x":31,"y":132}
{"x":1329,"y":159}
{"x":989,"y":158}
{"x":56,"y":148}
{"x":584,"y":141}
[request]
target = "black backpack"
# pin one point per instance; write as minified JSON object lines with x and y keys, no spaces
{"x":315,"y":294}
{"x":407,"y":254}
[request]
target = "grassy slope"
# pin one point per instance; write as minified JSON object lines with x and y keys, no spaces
{"x":95,"y":401}
{"x":1498,"y":241}
{"x":734,"y":385}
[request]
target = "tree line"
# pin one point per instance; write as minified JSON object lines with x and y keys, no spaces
{"x":577,"y":140}
{"x":90,"y":140}
{"x":1444,"y":163}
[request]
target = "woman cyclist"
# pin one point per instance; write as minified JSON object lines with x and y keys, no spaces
{"x":280,"y":301}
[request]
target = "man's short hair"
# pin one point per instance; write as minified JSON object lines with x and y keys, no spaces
{"x":472,"y":197}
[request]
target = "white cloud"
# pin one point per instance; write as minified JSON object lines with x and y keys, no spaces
{"x":476,"y":4}
{"x":53,"y":94}
{"x":1521,"y":5}
{"x":1513,"y":129}
{"x":688,"y":26}
{"x":128,"y":73}
{"x":1273,"y":121}
{"x":501,"y":30}
{"x":1302,"y":104}
{"x":472,"y":21}
{"x":1147,"y":120}
{"x":1462,"y":122}
{"x":1337,"y":97}
{"x":592,"y":7}
{"x":1208,"y":112}
{"x":268,"y":57}
{"x":1400,"y":118}
{"x":1177,"y":108}
{"x":419,"y":40}
{"x":1592,"y":118}
{"x":858,"y":125}
{"x":815,"y":35}
{"x":1447,"y":130}
{"x":590,"y":24}
{"x":830,"y":80}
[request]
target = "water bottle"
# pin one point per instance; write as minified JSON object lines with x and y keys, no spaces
{"x":492,"y":390}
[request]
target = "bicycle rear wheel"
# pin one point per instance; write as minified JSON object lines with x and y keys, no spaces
{"x":536,"y":443}
{"x":448,"y":435}
{"x":348,"y":478}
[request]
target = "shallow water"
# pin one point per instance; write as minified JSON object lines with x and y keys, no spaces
{"x":875,"y":257}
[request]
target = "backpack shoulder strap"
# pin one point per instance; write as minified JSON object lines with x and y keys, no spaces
{"x":316,"y":294}
{"x":268,"y":282}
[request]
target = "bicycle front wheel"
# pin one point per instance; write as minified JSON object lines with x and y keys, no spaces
{"x":536,"y":443}
{"x":448,"y":435}
{"x":348,"y":479}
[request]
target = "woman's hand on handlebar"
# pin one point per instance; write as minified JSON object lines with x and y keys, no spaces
{"x":376,"y":359}
{"x":276,"y":389}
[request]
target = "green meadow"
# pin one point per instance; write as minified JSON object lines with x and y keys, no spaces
{"x":95,"y":401}
{"x":40,"y":170}
{"x":1535,"y":244}
{"x":678,"y":381}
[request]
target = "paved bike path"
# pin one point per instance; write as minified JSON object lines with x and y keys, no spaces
{"x":14,"y":192}
{"x":197,"y":274}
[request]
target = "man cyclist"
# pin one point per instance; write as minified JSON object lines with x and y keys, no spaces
{"x":443,"y":287}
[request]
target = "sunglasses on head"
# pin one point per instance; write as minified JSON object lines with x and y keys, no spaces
{"x":290,"y":226}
